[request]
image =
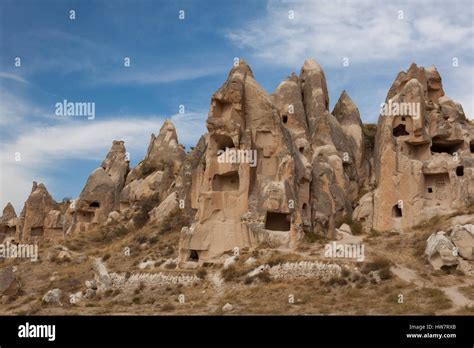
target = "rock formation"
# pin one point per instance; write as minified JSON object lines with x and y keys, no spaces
{"x":424,"y":165}
{"x":8,"y":222}
{"x":156,"y":173}
{"x":101,"y":194}
{"x":275,"y":167}
{"x":40,"y":218}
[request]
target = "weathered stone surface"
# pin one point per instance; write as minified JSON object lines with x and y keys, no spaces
{"x":8,"y":222}
{"x":165,"y":210}
{"x":101,"y":194}
{"x":158,"y":171}
{"x":37,"y":219}
{"x":53,"y":297}
{"x":463,"y":239}
{"x":9,"y":284}
{"x":440,"y":251}
{"x":101,"y":275}
{"x":423,"y":157}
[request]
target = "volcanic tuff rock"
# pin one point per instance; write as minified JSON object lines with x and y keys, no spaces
{"x":424,"y":164}
{"x":8,"y":222}
{"x":303,"y":180}
{"x":101,"y":194}
{"x":274,"y":168}
{"x":157,"y":171}
{"x":38,"y":219}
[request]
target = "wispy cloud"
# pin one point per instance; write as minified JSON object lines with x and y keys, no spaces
{"x":14,"y":77}
{"x":363,"y":31}
{"x":150,"y":75}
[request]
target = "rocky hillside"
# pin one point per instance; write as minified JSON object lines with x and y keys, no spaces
{"x":310,"y":210}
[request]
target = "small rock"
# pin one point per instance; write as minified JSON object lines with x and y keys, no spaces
{"x":90,"y":293}
{"x":147,"y":264}
{"x":5,"y":299}
{"x":64,"y":255}
{"x":9,"y":285}
{"x":53,"y":297}
{"x":227,"y":307}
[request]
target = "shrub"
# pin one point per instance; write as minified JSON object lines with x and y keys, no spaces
{"x":380,"y":264}
{"x":145,"y":207}
{"x":174,"y":222}
{"x":201,"y":274}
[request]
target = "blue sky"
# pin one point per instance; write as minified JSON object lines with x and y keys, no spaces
{"x":182,"y":62}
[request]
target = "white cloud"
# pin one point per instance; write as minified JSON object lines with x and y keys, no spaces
{"x":364,"y":31}
{"x":372,"y":36}
{"x":153,"y":76}
{"x":14,"y":109}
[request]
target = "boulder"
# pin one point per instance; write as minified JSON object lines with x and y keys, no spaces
{"x":101,"y":193}
{"x":463,"y":239}
{"x":227,"y":307}
{"x":440,"y":251}
{"x":53,"y":297}
{"x":101,"y":274}
{"x":9,"y":284}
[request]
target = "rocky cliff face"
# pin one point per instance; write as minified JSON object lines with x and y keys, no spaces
{"x":273,"y":169}
{"x":40,"y":218}
{"x":423,"y":154}
{"x":101,"y":194}
{"x":308,"y":165}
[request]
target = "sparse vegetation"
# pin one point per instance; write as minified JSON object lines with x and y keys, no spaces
{"x":146,"y":206}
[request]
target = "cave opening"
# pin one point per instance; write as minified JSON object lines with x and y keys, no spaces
{"x":226,"y":182}
{"x":438,"y":146}
{"x":37,"y":231}
{"x":400,"y":130}
{"x":193,"y":255}
{"x":278,"y":221}
{"x":223,"y":142}
{"x":397,"y":211}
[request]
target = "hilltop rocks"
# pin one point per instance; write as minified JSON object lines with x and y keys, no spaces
{"x":101,"y":194}
{"x":8,"y":222}
{"x":423,"y":153}
{"x":273,"y":167}
{"x":155,"y":174}
{"x":245,"y":181}
{"x":40,"y":218}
